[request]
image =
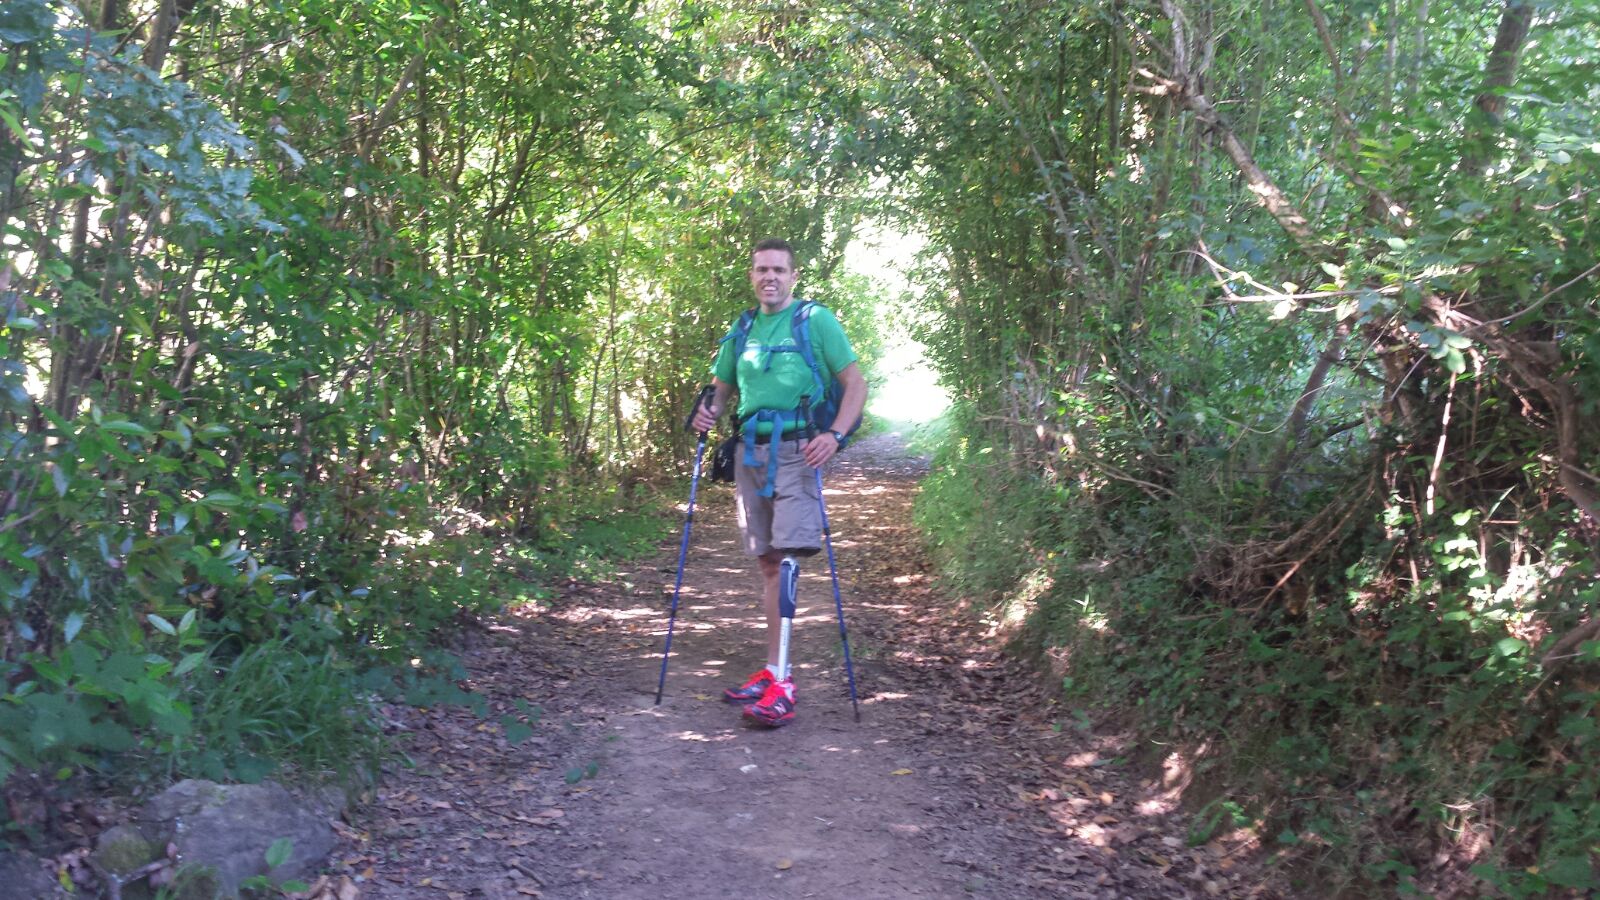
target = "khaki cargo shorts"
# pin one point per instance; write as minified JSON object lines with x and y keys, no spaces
{"x":790,"y":519}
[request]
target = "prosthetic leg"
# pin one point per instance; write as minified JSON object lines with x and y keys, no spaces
{"x":776,"y":706}
{"x":788,"y":589}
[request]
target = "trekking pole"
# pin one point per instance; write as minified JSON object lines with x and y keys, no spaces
{"x":833,"y":568}
{"x":688,"y":523}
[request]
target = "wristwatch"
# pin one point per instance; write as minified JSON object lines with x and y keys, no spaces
{"x":838,"y":436}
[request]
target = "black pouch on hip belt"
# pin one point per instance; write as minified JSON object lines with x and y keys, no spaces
{"x":722,"y":459}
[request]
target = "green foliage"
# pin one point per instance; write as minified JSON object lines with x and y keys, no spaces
{"x":518,"y":730}
{"x":1217,"y":817}
{"x":580,"y":772}
{"x":308,"y":356}
{"x":279,"y":852}
{"x":1365,"y":717}
{"x":276,"y":855}
{"x":88,"y":705}
{"x":1301,"y":492}
{"x":969,"y":491}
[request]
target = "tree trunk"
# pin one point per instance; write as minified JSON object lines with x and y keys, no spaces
{"x":1296,"y":429}
{"x":170,"y":15}
{"x":1501,"y":70}
{"x":1499,"y":73}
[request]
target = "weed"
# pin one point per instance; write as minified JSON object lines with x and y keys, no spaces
{"x":273,"y":705}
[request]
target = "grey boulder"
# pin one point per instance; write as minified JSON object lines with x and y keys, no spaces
{"x":27,"y":876}
{"x":228,"y":829}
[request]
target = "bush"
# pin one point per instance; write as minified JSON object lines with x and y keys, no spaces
{"x":1359,"y":721}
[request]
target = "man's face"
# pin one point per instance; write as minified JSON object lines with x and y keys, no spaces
{"x":772,"y":275}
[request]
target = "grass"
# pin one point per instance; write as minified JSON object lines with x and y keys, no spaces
{"x":273,"y":707}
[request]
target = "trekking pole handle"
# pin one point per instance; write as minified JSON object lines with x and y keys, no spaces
{"x":805,"y":417}
{"x":706,"y":394}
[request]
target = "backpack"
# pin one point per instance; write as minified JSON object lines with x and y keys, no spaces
{"x":831,"y":392}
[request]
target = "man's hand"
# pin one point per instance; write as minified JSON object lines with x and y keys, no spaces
{"x":710,"y":406}
{"x":706,"y":415}
{"x":820,"y":449}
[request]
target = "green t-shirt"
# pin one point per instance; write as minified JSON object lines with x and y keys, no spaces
{"x":772,"y":378}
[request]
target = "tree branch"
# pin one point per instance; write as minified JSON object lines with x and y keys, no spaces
{"x":1267,"y":192}
{"x":386,"y":113}
{"x":1380,"y":206}
{"x":168,"y":17}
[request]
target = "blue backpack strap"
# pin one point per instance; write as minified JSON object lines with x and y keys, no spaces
{"x":749,"y":432}
{"x":740,"y":335}
{"x":800,"y":328}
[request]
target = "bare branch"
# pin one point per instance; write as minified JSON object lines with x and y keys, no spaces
{"x":386,"y":113}
{"x":1267,"y":192}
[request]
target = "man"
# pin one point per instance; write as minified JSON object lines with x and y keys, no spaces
{"x":778,"y":506}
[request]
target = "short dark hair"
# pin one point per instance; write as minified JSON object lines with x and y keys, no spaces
{"x":774,"y":244}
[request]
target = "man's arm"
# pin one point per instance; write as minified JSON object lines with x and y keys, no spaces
{"x":825,"y":445}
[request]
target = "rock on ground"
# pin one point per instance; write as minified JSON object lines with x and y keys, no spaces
{"x":27,"y":876}
{"x":229,"y":828}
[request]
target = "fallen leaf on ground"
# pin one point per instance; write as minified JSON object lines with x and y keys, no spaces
{"x":785,"y":864}
{"x":901,"y":772}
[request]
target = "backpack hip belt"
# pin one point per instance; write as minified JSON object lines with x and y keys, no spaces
{"x":779,"y":419}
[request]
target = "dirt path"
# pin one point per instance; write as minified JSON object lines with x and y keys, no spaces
{"x":961,"y":779}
